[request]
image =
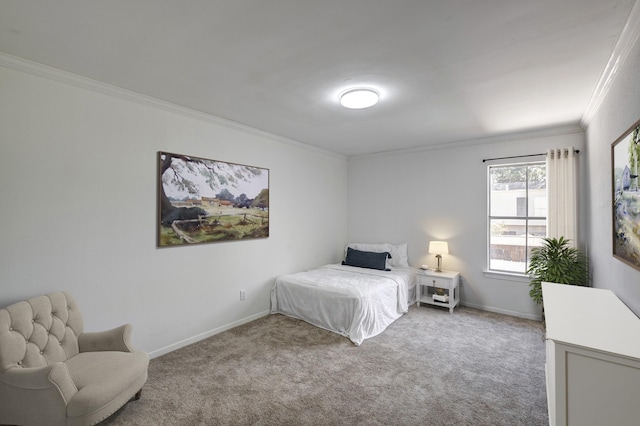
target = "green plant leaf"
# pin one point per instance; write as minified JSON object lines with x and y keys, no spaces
{"x":559,"y":262}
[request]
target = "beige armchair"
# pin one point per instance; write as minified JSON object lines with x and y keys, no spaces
{"x":51,"y":373}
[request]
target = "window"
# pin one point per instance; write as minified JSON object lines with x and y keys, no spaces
{"x":517,"y":215}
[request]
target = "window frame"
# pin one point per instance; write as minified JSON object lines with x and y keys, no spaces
{"x":527,"y":218}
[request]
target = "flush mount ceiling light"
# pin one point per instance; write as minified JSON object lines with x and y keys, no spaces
{"x":359,"y":98}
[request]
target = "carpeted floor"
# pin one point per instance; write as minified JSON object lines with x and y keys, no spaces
{"x":428,"y":368}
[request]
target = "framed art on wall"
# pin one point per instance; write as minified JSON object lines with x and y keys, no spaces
{"x":207,"y":201}
{"x":625,"y":166}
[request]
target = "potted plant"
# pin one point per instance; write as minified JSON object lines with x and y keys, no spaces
{"x":556,"y":261}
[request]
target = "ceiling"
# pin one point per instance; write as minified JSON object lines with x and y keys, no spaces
{"x":447,"y":70}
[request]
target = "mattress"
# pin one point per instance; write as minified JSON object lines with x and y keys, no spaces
{"x":358,"y":303}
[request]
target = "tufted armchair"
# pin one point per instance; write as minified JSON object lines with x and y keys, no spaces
{"x":52,"y":373}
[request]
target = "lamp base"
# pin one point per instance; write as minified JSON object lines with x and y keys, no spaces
{"x":439,"y":257}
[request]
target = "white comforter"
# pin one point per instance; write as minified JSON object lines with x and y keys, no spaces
{"x":355,"y":302}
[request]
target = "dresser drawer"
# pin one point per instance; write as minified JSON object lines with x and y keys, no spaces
{"x":435,"y":282}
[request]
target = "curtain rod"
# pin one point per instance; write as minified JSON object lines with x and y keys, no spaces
{"x":519,"y":156}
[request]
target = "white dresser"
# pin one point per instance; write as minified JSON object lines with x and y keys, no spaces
{"x":593,"y":357}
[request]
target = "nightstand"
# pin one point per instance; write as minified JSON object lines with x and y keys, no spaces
{"x":444,"y":285}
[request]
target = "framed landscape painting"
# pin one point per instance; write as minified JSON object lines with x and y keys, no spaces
{"x":625,"y":165}
{"x":208,"y":201}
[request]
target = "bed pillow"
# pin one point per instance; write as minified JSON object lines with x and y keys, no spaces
{"x":398,"y":252}
{"x":376,"y":248}
{"x":399,"y":255}
{"x":366,"y":259}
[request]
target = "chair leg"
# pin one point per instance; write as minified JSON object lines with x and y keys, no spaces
{"x":137,"y":395}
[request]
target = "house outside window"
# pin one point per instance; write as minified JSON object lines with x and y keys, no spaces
{"x":517,"y":219}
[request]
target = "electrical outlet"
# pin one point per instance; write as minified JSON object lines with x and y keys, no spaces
{"x":242,"y":294}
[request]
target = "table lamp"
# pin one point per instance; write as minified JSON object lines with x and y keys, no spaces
{"x":438,"y":248}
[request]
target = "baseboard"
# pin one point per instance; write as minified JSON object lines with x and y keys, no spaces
{"x":534,"y":317}
{"x":202,"y":336}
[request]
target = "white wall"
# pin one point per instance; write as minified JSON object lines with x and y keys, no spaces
{"x":78,"y":192}
{"x":441,"y":194}
{"x":617,"y":113}
{"x":78,"y":196}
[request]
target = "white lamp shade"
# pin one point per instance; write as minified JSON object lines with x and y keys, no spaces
{"x":438,"y":247}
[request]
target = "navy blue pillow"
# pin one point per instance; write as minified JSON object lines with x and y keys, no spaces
{"x":367,"y":259}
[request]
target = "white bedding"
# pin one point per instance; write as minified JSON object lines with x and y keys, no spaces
{"x":355,"y":302}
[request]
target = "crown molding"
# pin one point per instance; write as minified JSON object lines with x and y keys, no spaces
{"x":69,"y":78}
{"x":535,"y":133}
{"x":626,"y":41}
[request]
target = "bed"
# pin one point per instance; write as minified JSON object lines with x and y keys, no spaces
{"x":353,"y":301}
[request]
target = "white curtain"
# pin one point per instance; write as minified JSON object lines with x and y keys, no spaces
{"x":562,"y":194}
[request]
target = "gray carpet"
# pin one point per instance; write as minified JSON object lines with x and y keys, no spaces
{"x":428,"y":368}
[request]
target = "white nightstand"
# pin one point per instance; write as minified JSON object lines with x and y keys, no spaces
{"x":431,"y":282}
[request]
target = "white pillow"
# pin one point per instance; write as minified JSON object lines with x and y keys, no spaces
{"x":399,"y":255}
